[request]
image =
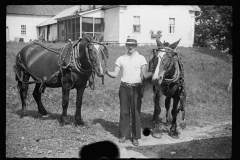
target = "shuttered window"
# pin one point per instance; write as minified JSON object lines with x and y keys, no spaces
{"x":136,"y":24}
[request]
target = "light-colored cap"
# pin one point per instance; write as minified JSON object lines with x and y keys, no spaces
{"x":131,"y":40}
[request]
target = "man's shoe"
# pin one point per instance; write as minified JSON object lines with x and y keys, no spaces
{"x":135,"y":142}
{"x":122,"y":140}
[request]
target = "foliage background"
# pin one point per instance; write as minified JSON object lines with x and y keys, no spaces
{"x":214,"y":27}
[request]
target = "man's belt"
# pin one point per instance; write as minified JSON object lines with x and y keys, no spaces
{"x":130,"y":84}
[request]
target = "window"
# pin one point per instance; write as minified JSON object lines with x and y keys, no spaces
{"x":23,"y":29}
{"x":171,"y":25}
{"x":136,"y":24}
{"x":87,"y":26}
{"x":92,"y":26}
{"x":98,"y":26}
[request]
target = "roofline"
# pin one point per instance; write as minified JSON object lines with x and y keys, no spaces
{"x":78,"y":15}
{"x":85,"y":12}
{"x":192,"y":9}
{"x":67,"y":17}
{"x":109,"y":6}
{"x":32,"y":14}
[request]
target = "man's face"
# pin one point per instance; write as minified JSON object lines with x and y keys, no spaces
{"x":131,"y":47}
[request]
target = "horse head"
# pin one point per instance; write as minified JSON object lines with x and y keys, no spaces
{"x":97,"y":53}
{"x":162,"y":60}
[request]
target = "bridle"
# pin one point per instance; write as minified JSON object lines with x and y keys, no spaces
{"x":75,"y":65}
{"x":166,"y":67}
{"x":91,"y":61}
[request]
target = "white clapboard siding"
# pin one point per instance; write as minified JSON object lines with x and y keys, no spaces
{"x":111,"y":30}
{"x":15,"y":21}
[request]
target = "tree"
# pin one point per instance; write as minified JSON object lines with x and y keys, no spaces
{"x":214,"y":28}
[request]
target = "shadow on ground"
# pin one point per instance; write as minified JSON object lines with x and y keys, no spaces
{"x":220,"y":147}
{"x":111,"y":127}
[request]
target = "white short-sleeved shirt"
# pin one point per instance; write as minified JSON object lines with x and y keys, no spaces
{"x":131,"y":66}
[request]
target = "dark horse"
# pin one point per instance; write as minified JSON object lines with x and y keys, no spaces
{"x":168,"y":80}
{"x":70,"y":67}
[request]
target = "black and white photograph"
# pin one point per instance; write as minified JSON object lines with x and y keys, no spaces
{"x":119,"y":81}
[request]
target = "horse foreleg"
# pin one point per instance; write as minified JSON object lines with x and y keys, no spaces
{"x":37,"y":97}
{"x":65,"y":101}
{"x":182,"y":107}
{"x":78,"y":118}
{"x":173,"y":129}
{"x":23,"y":89}
{"x":157,"y":108}
{"x":167,"y":106}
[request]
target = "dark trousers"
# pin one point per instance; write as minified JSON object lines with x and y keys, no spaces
{"x":130,"y":102}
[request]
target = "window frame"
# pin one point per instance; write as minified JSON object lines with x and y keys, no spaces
{"x":135,"y":25}
{"x":23,"y":30}
{"x":93,"y":33}
{"x":171,"y":27}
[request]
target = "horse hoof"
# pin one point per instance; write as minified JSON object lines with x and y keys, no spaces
{"x":81,"y":123}
{"x":157,"y":133}
{"x":64,"y":121}
{"x":23,"y":115}
{"x":174,"y":134}
{"x":183,"y":125}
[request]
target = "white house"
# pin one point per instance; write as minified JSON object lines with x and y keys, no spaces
{"x":116,"y":22}
{"x":21,"y":20}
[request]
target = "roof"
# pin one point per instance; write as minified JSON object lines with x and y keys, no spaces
{"x":67,"y":12}
{"x":44,"y":10}
{"x":86,"y":12}
{"x":194,"y":8}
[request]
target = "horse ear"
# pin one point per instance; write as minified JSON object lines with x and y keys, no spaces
{"x":175,"y":44}
{"x":158,"y":42}
{"x":101,"y":38}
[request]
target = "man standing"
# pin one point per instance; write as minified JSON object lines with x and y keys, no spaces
{"x":132,"y":64}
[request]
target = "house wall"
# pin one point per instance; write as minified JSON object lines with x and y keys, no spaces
{"x":155,"y":18}
{"x":111,"y":20}
{"x":14,"y":23}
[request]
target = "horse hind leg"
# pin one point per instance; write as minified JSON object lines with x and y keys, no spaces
{"x":65,"y":102}
{"x":173,"y":130}
{"x":37,"y":97}
{"x":23,"y":89}
{"x":167,"y":106}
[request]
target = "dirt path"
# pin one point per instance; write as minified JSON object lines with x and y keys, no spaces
{"x":217,"y":137}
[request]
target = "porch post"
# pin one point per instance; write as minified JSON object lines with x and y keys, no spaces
{"x":93,"y":25}
{"x":80,"y":26}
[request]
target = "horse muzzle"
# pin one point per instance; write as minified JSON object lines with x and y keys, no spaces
{"x":159,"y":79}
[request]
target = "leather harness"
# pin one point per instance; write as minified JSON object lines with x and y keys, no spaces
{"x":178,"y":76}
{"x":73,"y":66}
